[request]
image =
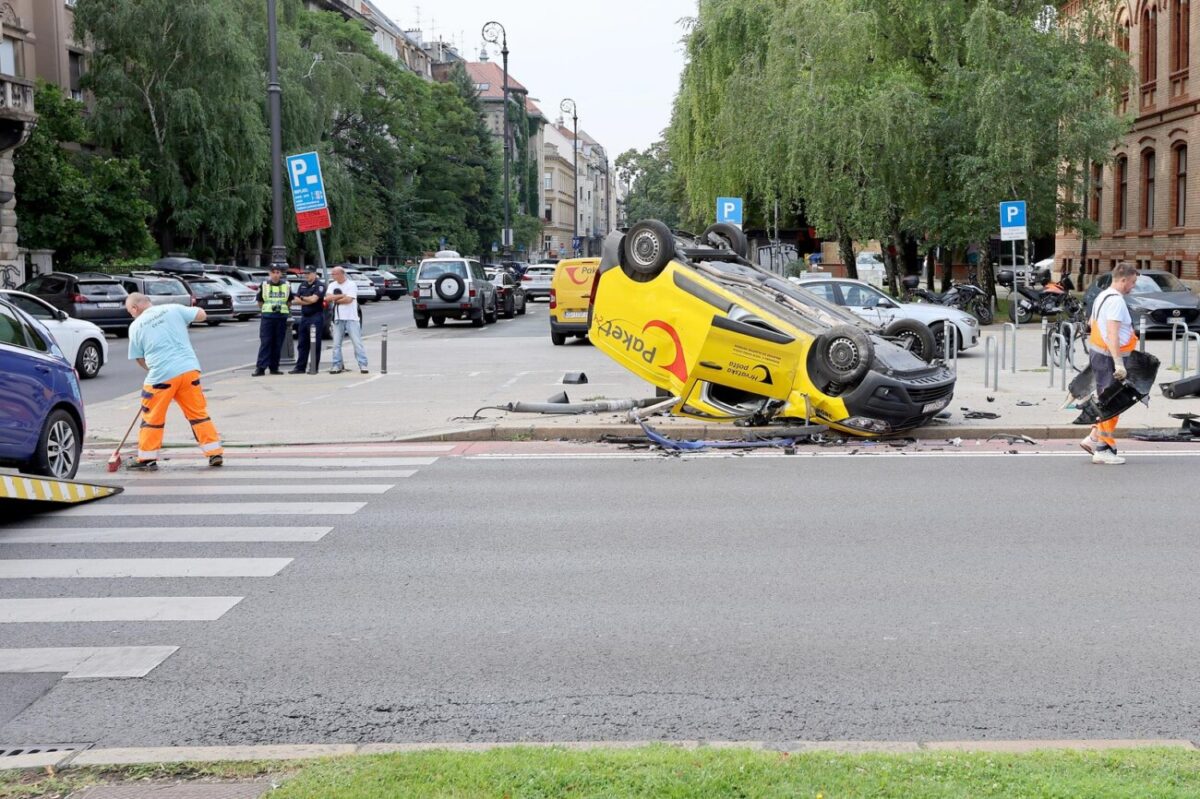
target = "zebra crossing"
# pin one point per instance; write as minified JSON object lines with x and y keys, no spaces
{"x":249,"y":501}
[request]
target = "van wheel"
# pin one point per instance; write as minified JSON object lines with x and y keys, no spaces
{"x":728,"y":236}
{"x":918,"y":337}
{"x":89,"y":360}
{"x":58,"y":448}
{"x":646,"y":250}
{"x":558,"y":339}
{"x":422,"y":321}
{"x":845,"y":352}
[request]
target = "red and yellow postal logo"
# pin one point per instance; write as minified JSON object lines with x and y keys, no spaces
{"x":580,"y":275}
{"x":655,"y":336}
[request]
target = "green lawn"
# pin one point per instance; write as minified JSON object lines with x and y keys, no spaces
{"x":667,"y":773}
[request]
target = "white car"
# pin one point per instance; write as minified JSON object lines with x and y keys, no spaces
{"x":245,"y":299}
{"x":366,"y":289}
{"x":82,"y":342}
{"x":537,"y":281}
{"x":878,"y":308}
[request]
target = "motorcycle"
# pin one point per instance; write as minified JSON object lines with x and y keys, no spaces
{"x":963,"y":296}
{"x":1042,"y":296}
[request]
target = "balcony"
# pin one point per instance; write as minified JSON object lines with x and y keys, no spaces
{"x":16,"y":111}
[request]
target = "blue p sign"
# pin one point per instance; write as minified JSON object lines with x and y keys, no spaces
{"x":729,"y":209}
{"x":1013,"y":221}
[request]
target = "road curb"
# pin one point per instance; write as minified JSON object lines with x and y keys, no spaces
{"x":127,"y":756}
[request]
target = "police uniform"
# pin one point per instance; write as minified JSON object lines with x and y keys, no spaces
{"x":274,"y":298}
{"x":311,"y":316}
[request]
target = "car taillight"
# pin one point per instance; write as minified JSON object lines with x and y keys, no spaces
{"x":526,"y":278}
{"x":252,"y":286}
{"x":553,"y":299}
{"x":592,"y":296}
{"x":79,"y":298}
{"x":471,"y":293}
{"x":416,"y":294}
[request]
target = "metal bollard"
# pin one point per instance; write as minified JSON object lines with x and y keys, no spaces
{"x":950,"y":346}
{"x":1009,"y":327}
{"x":289,"y":344}
{"x":1069,"y":354}
{"x":383,"y":353}
{"x":1142,"y":334}
{"x":1187,"y":339}
{"x":991,"y":363}
{"x":313,"y":352}
{"x":1062,"y":371}
{"x":1175,"y":335}
{"x":1045,"y":340}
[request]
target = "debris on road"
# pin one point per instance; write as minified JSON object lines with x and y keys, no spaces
{"x":980,"y":415}
{"x":674,"y":445}
{"x":1013,"y":439}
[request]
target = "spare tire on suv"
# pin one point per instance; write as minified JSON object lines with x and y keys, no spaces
{"x":449,"y":287}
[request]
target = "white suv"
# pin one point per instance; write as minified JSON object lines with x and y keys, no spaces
{"x":452,"y":287}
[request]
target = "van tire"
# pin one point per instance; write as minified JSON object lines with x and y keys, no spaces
{"x":730,"y":235}
{"x":558,"y":339}
{"x":845,"y":352}
{"x":646,"y":250}
{"x":923,"y":342}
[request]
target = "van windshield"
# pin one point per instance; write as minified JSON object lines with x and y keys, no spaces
{"x":434,"y":269}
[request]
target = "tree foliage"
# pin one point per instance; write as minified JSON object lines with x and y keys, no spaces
{"x":654,"y":187}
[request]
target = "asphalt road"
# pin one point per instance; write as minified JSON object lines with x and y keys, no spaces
{"x":235,"y":344}
{"x":757,"y":598}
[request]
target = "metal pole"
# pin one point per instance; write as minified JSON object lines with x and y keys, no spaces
{"x":321,"y":258}
{"x":313,"y":343}
{"x":1142,"y":334}
{"x":575,"y":153}
{"x":1016,"y":315}
{"x":383,"y":353}
{"x":1045,"y":340}
{"x":495,"y":33}
{"x":275,"y":111}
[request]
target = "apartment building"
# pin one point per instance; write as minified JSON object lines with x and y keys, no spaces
{"x":558,"y":192}
{"x":61,"y":58}
{"x":405,"y":47}
{"x":18,"y":66}
{"x":1147,"y":210}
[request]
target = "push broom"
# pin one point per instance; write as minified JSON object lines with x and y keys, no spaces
{"x":114,"y":461}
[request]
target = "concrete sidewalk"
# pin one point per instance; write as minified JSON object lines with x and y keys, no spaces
{"x":438,"y":380}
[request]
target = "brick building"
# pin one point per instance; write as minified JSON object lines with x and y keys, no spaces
{"x":1147,"y":210}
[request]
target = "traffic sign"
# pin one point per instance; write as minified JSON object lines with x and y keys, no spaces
{"x":729,"y":209}
{"x":1014,"y":225}
{"x":308,"y":192}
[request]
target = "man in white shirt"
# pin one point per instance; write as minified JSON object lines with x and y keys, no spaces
{"x":1110,"y":341}
{"x":342,"y":298}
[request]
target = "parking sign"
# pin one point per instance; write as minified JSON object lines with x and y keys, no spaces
{"x":1014,"y":224}
{"x":729,"y":209}
{"x":308,"y":192}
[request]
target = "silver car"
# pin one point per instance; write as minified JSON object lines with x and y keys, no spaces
{"x":245,"y":299}
{"x":537,"y":281}
{"x":452,"y":287}
{"x":366,"y":289}
{"x":161,"y":289}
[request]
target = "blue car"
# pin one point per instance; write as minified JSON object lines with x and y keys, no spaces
{"x":41,"y":407}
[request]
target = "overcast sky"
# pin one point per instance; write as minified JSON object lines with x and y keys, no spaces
{"x":619,"y":60}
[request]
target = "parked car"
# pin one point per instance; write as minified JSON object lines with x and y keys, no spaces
{"x":161,"y":289}
{"x":733,"y":341}
{"x":386,"y":284}
{"x":1157,"y":296}
{"x":366,"y":289}
{"x":42,"y":422}
{"x":884,"y":311}
{"x":510,"y":294}
{"x":245,"y":299}
{"x":537,"y":281}
{"x":82,"y":343}
{"x":99,"y":300}
{"x":178,"y":266}
{"x":452,"y":287}
{"x":250,"y":278}
{"x":211,"y":297}
{"x":570,"y":292}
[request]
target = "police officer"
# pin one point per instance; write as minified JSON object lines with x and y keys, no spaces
{"x":273,"y":300}
{"x":311,"y":299}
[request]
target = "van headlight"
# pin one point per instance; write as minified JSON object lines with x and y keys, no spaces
{"x":868,"y":425}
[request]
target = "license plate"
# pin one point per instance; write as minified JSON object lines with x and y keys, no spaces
{"x":108,"y":305}
{"x":575,"y":315}
{"x":930,"y":407}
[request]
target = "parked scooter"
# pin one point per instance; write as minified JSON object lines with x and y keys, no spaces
{"x":963,"y":296}
{"x":1042,"y":297}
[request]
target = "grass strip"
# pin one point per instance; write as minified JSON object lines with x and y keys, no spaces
{"x":668,"y":773}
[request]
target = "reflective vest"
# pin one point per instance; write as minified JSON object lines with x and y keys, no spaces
{"x":1096,"y":337}
{"x":275,"y":297}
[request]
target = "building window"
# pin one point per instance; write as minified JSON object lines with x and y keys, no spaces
{"x":1180,"y":35}
{"x":548,"y":213}
{"x":1180,"y":194}
{"x":12,"y":57}
{"x":1149,"y":42}
{"x":1121,"y":201}
{"x":548,"y":181}
{"x":1097,"y":192}
{"x":1149,"y":165}
{"x":75,"y":65}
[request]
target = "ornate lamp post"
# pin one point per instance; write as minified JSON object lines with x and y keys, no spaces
{"x":275,"y":103}
{"x":494,"y":33}
{"x":567,"y":106}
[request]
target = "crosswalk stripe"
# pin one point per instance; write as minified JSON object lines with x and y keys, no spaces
{"x":141,"y":608}
{"x":186,"y":510}
{"x":161,"y":535}
{"x":69,"y":568}
{"x":255,"y":490}
{"x":213,"y":475}
{"x":86,"y":662}
{"x":235,"y":462}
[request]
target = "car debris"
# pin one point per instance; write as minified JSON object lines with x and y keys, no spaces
{"x":675,"y":445}
{"x":1009,"y":438}
{"x":980,"y":415}
{"x":570,"y":408}
{"x":1188,"y":432}
{"x":1120,"y":396}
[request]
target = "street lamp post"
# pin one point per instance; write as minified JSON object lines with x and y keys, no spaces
{"x":567,"y":106}
{"x":494,"y":33}
{"x":275,"y":103}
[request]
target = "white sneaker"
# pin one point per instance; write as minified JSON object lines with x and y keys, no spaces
{"x":1089,"y":444}
{"x":1107,"y":457}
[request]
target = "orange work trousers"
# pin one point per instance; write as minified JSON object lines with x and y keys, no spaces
{"x":156,"y":399}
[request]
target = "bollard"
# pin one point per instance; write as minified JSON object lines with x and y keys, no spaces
{"x":1062,"y":343}
{"x":990,"y":363}
{"x":313,"y":353}
{"x":1069,"y":355}
{"x":1009,"y":327}
{"x":1175,"y":325}
{"x":950,"y":346}
{"x":1045,"y":340}
{"x":1187,"y":339}
{"x":383,"y":353}
{"x":1142,"y":334}
{"x":289,"y":344}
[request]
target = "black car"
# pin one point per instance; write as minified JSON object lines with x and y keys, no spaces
{"x":93,"y":297}
{"x":178,"y":266}
{"x":510,"y":294}
{"x":1158,"y":297}
{"x":387,"y":284}
{"x":211,"y":297}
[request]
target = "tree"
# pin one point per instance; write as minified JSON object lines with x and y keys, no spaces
{"x":86,"y":206}
{"x":654,"y":188}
